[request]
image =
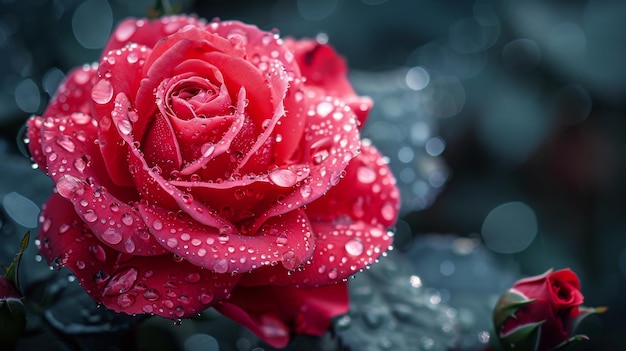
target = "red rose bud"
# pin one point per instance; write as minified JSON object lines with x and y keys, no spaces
{"x":12,"y":314}
{"x":203,"y":164}
{"x":540,"y":313}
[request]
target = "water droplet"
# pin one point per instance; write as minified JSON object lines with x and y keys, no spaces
{"x":157,"y":224}
{"x":354,"y":247}
{"x":121,"y":282}
{"x":127,"y":218}
{"x":283,"y":177}
{"x":289,"y":260}
{"x":221,"y":266}
{"x":66,"y":143}
{"x":101,"y":276}
{"x":207,"y":149}
{"x":125,"y":31}
{"x":388,"y":211}
{"x":80,"y":264}
{"x":332,"y":274}
{"x":90,"y":216}
{"x":112,"y":236}
{"x":366,"y":175}
{"x":69,"y":186}
{"x":306,"y":191}
{"x":125,"y":127}
{"x":98,"y":253}
{"x":172,"y":242}
{"x":324,"y":108}
{"x":129,"y":245}
{"x":192,"y":277}
{"x":151,"y":295}
{"x":102,"y":92}
{"x":281,"y":239}
{"x":205,"y":298}
{"x":132,"y":57}
{"x":125,"y":300}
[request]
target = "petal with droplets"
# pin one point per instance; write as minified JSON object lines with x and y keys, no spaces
{"x":78,"y":171}
{"x":305,"y":311}
{"x":349,"y":223}
{"x":286,"y":239}
{"x":326,"y":71}
{"x":127,"y":283}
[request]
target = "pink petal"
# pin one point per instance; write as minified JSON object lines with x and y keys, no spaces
{"x":272,"y":312}
{"x":120,"y":72}
{"x":75,"y":165}
{"x":147,"y":32}
{"x":160,"y":145}
{"x":349,"y":223}
{"x":151,"y":185}
{"x":326,"y":70}
{"x":131,"y":284}
{"x":286,"y":239}
{"x":331,"y":140}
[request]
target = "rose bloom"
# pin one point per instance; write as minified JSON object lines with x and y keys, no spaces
{"x":213,"y":164}
{"x":556,"y":298}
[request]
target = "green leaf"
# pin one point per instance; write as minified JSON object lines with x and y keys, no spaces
{"x":584,"y":313}
{"x":510,"y":302}
{"x":12,"y":321}
{"x":525,"y":337}
{"x":11,"y":273}
{"x":163,"y":8}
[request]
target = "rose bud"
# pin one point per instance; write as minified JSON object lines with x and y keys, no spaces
{"x":213,"y":164}
{"x":12,"y":314}
{"x":541,"y":313}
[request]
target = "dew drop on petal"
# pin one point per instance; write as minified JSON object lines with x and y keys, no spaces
{"x":98,"y":253}
{"x":112,"y":236}
{"x":151,"y":295}
{"x":324,"y":108}
{"x":66,"y":143}
{"x":205,"y":298}
{"x":125,"y":31}
{"x":289,"y":260}
{"x":365,"y":175}
{"x":90,"y":216}
{"x":125,"y":127}
{"x":125,"y":300}
{"x":102,"y":92}
{"x":221,"y":266}
{"x":306,"y":191}
{"x":281,"y":239}
{"x":121,"y":282}
{"x":127,"y":218}
{"x":157,"y":224}
{"x":388,"y":211}
{"x":354,"y":247}
{"x":332,"y":274}
{"x":172,"y":242}
{"x":132,"y":57}
{"x":69,"y":186}
{"x":283,"y":177}
{"x":192,"y":277}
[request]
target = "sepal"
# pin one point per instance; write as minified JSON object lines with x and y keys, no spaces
{"x":508,"y":304}
{"x":524,"y":337}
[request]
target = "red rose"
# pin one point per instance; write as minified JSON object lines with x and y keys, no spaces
{"x":544,"y":308}
{"x":201,"y":165}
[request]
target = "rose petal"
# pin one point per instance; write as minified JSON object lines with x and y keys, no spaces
{"x":147,"y":32}
{"x":151,"y":185}
{"x":326,"y":70}
{"x":305,"y":311}
{"x":286,"y":239}
{"x":349,"y":223}
{"x":258,"y":44}
{"x":120,"y":72}
{"x":160,"y":145}
{"x":331,"y":139}
{"x":126,"y":283}
{"x":76,"y":167}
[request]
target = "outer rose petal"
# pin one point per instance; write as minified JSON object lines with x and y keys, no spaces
{"x":286,"y":239}
{"x":349,"y":223}
{"x":326,"y":70}
{"x":126,"y":283}
{"x":272,"y":312}
{"x":148,"y":33}
{"x":120,"y":72}
{"x":74,"y":163}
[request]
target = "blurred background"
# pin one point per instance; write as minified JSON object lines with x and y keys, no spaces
{"x":502,"y":120}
